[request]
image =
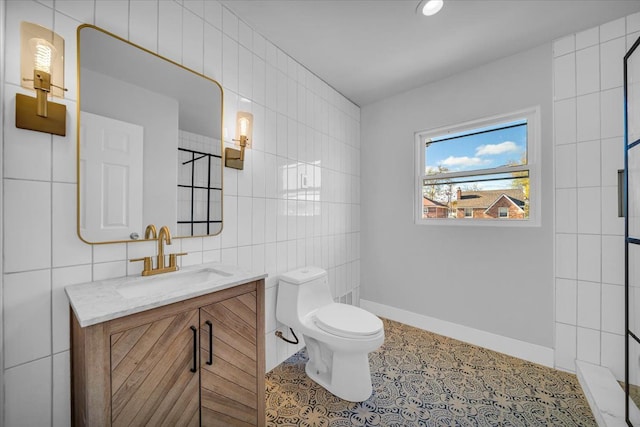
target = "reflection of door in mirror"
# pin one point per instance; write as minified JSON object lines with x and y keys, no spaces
{"x":111,"y":161}
{"x":157,"y":114}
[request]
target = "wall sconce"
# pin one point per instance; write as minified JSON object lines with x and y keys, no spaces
{"x":244,"y":128}
{"x":41,"y":69}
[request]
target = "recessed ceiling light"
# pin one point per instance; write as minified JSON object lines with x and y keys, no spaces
{"x":429,"y":7}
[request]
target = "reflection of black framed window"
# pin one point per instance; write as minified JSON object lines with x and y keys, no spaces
{"x":198,"y":196}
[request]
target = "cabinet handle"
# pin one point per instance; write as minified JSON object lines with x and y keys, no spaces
{"x":195,"y":349}
{"x":210,"y":361}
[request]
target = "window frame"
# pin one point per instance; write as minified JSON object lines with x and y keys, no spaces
{"x":503,"y":209}
{"x":532,"y":117}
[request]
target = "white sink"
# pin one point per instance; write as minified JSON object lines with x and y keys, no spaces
{"x":167,"y":283}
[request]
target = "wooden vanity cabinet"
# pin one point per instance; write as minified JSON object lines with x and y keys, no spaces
{"x":195,"y":362}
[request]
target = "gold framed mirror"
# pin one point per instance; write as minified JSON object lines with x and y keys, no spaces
{"x":149,"y":143}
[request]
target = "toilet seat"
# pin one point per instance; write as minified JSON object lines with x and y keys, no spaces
{"x":347,"y":321}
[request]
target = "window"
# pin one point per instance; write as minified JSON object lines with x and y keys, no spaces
{"x":482,"y":171}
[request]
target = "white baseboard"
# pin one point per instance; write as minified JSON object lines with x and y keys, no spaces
{"x":523,"y":350}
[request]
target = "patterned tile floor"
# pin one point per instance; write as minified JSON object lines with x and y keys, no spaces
{"x":424,"y":379}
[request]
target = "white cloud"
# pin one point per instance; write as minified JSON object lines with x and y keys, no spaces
{"x":464,"y":161}
{"x":493,"y":149}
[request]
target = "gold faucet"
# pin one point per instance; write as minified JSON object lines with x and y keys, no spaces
{"x":150,"y":232}
{"x":163,"y":237}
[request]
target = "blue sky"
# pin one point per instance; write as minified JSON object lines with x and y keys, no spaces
{"x":483,"y":151}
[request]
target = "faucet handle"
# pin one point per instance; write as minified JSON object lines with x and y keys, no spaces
{"x":147,"y":264}
{"x":173,"y":257}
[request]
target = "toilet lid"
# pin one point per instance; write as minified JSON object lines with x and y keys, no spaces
{"x":347,"y":321}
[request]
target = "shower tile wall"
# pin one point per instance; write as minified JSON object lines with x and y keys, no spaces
{"x":297,"y":201}
{"x":589,"y":252}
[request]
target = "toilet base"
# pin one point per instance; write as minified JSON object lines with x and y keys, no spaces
{"x":349,"y":376}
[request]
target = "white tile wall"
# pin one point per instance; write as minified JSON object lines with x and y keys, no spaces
{"x":588,"y":345}
{"x":27,"y":246}
{"x":612,"y":30}
{"x":588,"y":217}
{"x":565,"y":351}
{"x":564,"y":121}
{"x":565,"y":76}
{"x":611,"y":66}
{"x":566,"y":172}
{"x":61,"y":277}
{"x":588,"y":164}
{"x":612,"y":349}
{"x":613,"y":309}
{"x":28,"y":394}
{"x":587,"y":38}
{"x":589,"y":305}
{"x":588,"y":107}
{"x":589,"y":234}
{"x":272,"y":224}
{"x":566,"y":301}
{"x":567,"y":203}
{"x":27,"y":313}
{"x":588,"y":70}
{"x":589,"y":253}
{"x":564,"y":45}
{"x":613,"y":259}
{"x":566,"y":254}
{"x":612,"y":159}
{"x":61,"y":389}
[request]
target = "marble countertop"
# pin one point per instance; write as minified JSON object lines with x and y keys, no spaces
{"x":100,"y":301}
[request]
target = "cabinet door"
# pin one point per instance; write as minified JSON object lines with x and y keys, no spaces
{"x":152,"y":378}
{"x":229,"y":395}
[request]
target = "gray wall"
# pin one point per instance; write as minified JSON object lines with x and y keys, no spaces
{"x":495,"y":279}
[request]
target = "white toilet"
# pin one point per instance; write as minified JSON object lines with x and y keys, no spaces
{"x":338,"y":336}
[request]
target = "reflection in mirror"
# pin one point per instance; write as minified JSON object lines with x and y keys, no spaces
{"x":149,"y":143}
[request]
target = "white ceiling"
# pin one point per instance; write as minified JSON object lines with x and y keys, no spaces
{"x":372,"y":49}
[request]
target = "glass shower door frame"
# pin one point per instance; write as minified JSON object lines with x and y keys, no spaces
{"x":629,"y":240}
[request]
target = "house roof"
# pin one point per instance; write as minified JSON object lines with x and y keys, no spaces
{"x":485,"y":198}
{"x":430,"y":202}
{"x":513,"y":201}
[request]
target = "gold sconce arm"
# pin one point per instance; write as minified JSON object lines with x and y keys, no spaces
{"x":235,"y":158}
{"x":42,"y":85}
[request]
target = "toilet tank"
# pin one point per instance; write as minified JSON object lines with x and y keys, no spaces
{"x":300,"y":292}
